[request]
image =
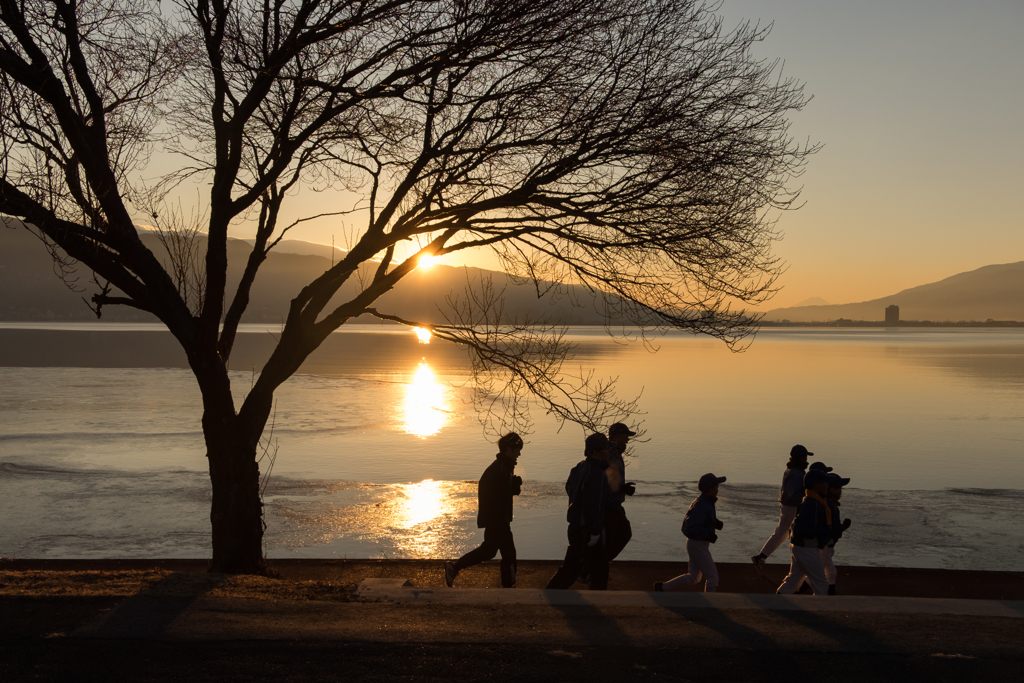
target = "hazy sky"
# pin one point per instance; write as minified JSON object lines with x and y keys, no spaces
{"x":920,"y":107}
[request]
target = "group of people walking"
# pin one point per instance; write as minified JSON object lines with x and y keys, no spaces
{"x":598,"y":528}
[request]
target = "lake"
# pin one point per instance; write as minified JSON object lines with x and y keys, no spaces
{"x":376,"y":449}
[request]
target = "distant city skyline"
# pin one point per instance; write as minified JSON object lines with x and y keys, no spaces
{"x":918,"y":107}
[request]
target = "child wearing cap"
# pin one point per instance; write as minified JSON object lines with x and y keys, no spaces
{"x":812,"y":529}
{"x":699,"y":527}
{"x":835,"y":492}
{"x":789,"y":498}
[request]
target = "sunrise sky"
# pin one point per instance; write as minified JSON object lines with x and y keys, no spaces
{"x":919,"y":105}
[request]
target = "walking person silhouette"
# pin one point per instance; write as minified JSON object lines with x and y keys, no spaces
{"x":497,"y":486}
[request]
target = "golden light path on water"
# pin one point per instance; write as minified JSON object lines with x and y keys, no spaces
{"x":425,"y":406}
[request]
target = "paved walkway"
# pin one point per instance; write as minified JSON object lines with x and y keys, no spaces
{"x":401,"y":591}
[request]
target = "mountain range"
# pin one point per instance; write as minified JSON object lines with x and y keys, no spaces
{"x":32,"y":292}
{"x":992,"y":292}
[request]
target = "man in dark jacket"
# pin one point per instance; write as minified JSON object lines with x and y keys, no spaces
{"x":587,"y":487}
{"x":497,"y":486}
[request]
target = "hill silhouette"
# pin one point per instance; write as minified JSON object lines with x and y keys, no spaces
{"x":33,"y":292}
{"x":992,"y":292}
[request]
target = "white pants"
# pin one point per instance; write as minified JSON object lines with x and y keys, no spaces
{"x":700,"y":562}
{"x":786,"y":515}
{"x":828,"y":565}
{"x":806,"y":564}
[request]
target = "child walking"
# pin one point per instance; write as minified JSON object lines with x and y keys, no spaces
{"x":699,"y":527}
{"x":812,"y":529}
{"x":835,"y":492}
{"x":789,"y":498}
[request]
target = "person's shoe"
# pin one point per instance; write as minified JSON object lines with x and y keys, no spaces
{"x":584,"y":578}
{"x":659,"y":587}
{"x":832,"y":589}
{"x":450,"y":572}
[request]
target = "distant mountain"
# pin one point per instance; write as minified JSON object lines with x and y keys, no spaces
{"x":995,"y":292}
{"x":813,"y":301}
{"x":32,"y":291}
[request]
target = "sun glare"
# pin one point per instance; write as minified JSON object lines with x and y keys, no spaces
{"x":423,"y":334}
{"x":423,"y":502}
{"x":426,"y":261}
{"x":426,"y":410}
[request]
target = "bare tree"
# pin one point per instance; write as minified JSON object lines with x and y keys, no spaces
{"x":632,"y":146}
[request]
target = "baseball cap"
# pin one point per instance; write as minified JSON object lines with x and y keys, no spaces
{"x":813,"y":477}
{"x":819,"y":466}
{"x":707,"y":481}
{"x":620,"y":428}
{"x":837,"y":482}
{"x":596,"y":442}
{"x":799,"y":451}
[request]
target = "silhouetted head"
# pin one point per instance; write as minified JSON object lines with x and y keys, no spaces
{"x":798,"y":452}
{"x":708,"y":484}
{"x":510,"y":445}
{"x":619,"y":435}
{"x":817,"y":481}
{"x":819,"y":466}
{"x":596,"y":446}
{"x":835,"y":486}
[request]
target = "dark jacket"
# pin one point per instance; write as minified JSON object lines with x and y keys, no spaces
{"x":837,"y":522}
{"x":810,"y":527}
{"x":792,"y":491}
{"x":497,"y":486}
{"x":588,"y":492}
{"x":700,"y":520}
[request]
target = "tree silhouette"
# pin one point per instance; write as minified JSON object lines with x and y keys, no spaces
{"x":633,"y":146}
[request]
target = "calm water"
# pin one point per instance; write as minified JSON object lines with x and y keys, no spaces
{"x":377,"y":450}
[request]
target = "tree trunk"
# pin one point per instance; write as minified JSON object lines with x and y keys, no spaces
{"x":236,"y":515}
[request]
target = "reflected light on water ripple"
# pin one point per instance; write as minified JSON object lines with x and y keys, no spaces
{"x":425,"y":406}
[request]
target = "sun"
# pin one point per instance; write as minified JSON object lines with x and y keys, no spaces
{"x":426,"y":261}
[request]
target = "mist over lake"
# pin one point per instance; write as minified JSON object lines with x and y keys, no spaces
{"x":378,"y":450}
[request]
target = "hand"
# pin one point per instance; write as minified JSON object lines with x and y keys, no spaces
{"x":846,"y":523}
{"x":517,"y":480}
{"x":593,"y":540}
{"x":629,"y":488}
{"x":719,"y":524}
{"x":713,"y":537}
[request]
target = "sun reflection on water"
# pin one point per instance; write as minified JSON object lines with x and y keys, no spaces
{"x":425,"y":407}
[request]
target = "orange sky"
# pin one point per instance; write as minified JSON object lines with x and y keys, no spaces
{"x":918,"y":105}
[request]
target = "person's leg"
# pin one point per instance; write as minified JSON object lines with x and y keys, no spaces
{"x":573,"y":562}
{"x":487,"y":550}
{"x":701,"y":557}
{"x":597,"y":565}
{"x":811,"y":561}
{"x":787,"y":513}
{"x":796,"y":573}
{"x":828,"y":565}
{"x":618,"y":531}
{"x":693,"y":572}
{"x":507,"y":545}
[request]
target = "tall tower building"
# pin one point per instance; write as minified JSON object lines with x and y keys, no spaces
{"x":892,"y":315}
